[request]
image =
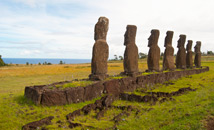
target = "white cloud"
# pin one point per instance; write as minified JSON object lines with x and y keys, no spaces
{"x":72,"y":37}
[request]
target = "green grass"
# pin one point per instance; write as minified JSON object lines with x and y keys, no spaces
{"x":75,"y":84}
{"x":187,"y":112}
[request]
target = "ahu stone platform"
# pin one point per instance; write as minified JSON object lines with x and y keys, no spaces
{"x":50,"y":95}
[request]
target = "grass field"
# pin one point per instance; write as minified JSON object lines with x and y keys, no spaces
{"x":188,"y":111}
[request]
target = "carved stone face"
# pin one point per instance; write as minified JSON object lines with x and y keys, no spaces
{"x":168,"y":38}
{"x":153,"y":39}
{"x":130,"y":34}
{"x":198,"y":47}
{"x":181,"y":41}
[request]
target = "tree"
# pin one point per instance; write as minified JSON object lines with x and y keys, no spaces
{"x":142,"y":55}
{"x":61,"y":62}
{"x":210,"y":53}
{"x":120,"y":57}
{"x":39,"y":63}
{"x":2,"y":62}
{"x":115,"y":57}
{"x":27,"y":63}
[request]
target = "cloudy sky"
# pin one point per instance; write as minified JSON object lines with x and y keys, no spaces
{"x":65,"y":28}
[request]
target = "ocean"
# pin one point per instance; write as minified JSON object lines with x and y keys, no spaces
{"x":40,"y":60}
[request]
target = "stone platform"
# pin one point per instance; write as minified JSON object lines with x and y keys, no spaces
{"x":50,"y":95}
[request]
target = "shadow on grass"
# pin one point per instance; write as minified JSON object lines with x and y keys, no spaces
{"x":22,"y":100}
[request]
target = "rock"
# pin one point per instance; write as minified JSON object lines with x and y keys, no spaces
{"x":112,"y":86}
{"x":181,"y":54}
{"x":130,"y":61}
{"x":108,"y":100}
{"x":73,"y":125}
{"x":138,"y":98}
{"x":93,"y":91}
{"x":34,"y":94}
{"x":75,"y":113}
{"x":189,"y":62}
{"x":197,"y":60}
{"x":75,"y":94}
{"x":154,"y":51}
{"x":168,"y":59}
{"x":128,"y":84}
{"x":99,"y":104}
{"x":88,"y":108}
{"x":34,"y":125}
{"x":117,"y":118}
{"x":54,"y":97}
{"x":100,"y":51}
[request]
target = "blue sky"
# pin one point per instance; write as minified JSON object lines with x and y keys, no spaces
{"x":65,"y":28}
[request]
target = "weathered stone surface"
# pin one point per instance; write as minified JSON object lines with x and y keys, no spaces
{"x":33,"y":94}
{"x":93,"y":91}
{"x":72,"y":115}
{"x":75,"y":94}
{"x":88,"y":108}
{"x":168,"y":59}
{"x":47,"y":95}
{"x":53,"y":97}
{"x":138,"y":98}
{"x":73,"y":125}
{"x":99,"y":65}
{"x":130,"y":61}
{"x":197,"y":60}
{"x":181,"y":54}
{"x":36,"y":124}
{"x":154,"y":51}
{"x":108,"y":100}
{"x":128,"y":84}
{"x":189,"y":60}
{"x":101,"y":29}
{"x":112,"y":86}
{"x":100,"y":51}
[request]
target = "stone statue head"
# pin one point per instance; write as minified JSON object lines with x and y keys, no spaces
{"x":189,"y":45}
{"x":101,"y":28}
{"x":153,"y":39}
{"x":181,"y":41}
{"x":198,"y":47}
{"x":168,"y":38}
{"x":130,"y":34}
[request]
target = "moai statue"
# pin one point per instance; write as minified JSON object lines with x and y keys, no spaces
{"x":130,"y":61}
{"x":154,"y":51}
{"x":181,"y":54}
{"x":100,"y":52}
{"x":197,"y":60}
{"x":189,"y":63}
{"x":168,"y":59}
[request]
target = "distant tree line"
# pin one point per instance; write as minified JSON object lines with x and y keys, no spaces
{"x":45,"y":63}
{"x":144,"y":55}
